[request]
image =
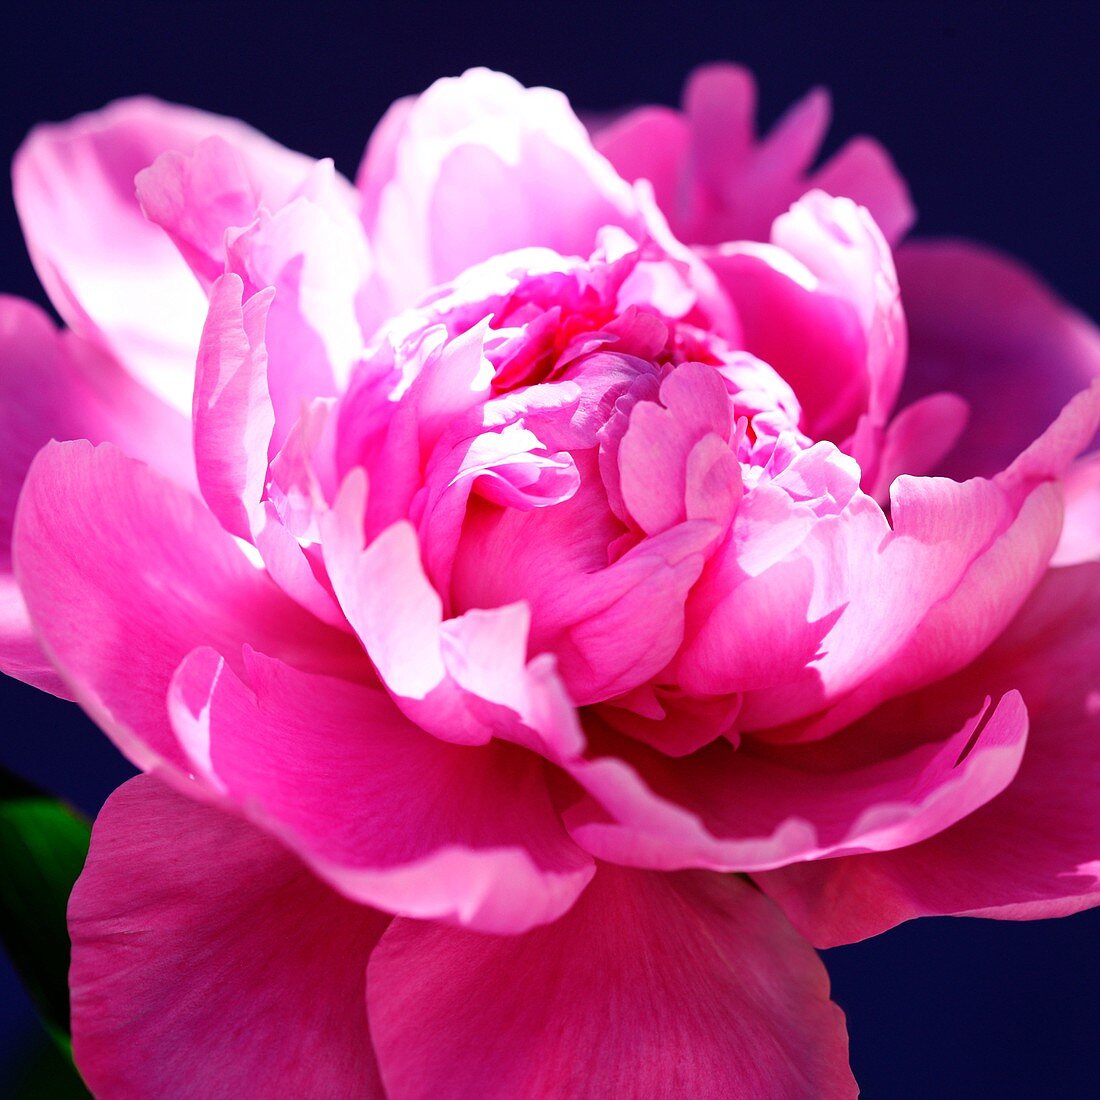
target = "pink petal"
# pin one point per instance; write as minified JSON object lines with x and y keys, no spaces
{"x":388,"y":814}
{"x":659,"y":450}
{"x":822,"y":307}
{"x":985,"y":327}
{"x":124,"y":574}
{"x":670,"y":720}
{"x":447,"y":380}
{"x":651,"y":143}
{"x":653,"y":985}
{"x":611,"y":627}
{"x":232,"y":414}
{"x":917,"y":439}
{"x":115,"y":277}
{"x":299,"y":234}
{"x":55,"y":386}
{"x":1034,"y":850}
{"x":313,"y":252}
{"x":20,"y":654}
{"x":1019,"y":512}
{"x":1080,"y":539}
{"x":743,"y":809}
{"x":465,"y":680}
{"x":863,"y":170}
{"x":479,"y":165}
{"x":199,"y":946}
{"x":292,"y":568}
{"x":194,"y":197}
{"x":716,"y":181}
{"x":373,"y":582}
{"x":286,"y":529}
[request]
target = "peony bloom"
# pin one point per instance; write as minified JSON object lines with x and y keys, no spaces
{"x":548,"y":586}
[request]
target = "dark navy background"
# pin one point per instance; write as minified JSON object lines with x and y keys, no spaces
{"x":991,"y":111}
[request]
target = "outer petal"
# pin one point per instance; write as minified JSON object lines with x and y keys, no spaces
{"x":387,"y":813}
{"x":124,"y":574}
{"x":207,"y":961}
{"x":20,"y":654}
{"x":716,"y":181}
{"x":477,"y":166}
{"x":54,"y":385}
{"x":983,"y":326}
{"x":113,"y":276}
{"x":1034,"y":851}
{"x":653,"y":985}
{"x":274,"y":506}
{"x":744,"y":810}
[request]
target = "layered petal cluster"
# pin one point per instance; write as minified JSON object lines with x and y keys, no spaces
{"x":548,"y":585}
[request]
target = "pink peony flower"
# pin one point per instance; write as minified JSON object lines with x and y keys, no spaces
{"x":535,"y":620}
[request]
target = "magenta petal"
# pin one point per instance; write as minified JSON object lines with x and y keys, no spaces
{"x":984,"y":326}
{"x":207,"y":961}
{"x":387,"y":813}
{"x":1034,"y":850}
{"x":651,"y":986}
{"x":918,"y":438}
{"x":54,"y":385}
{"x":467,"y":679}
{"x":716,"y":180}
{"x":100,"y":538}
{"x":744,"y":810}
{"x":864,"y":171}
{"x":293,"y":226}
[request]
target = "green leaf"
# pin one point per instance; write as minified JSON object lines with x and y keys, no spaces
{"x":43,"y":845}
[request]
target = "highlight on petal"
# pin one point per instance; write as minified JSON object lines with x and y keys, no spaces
{"x":1023,"y":503}
{"x":232,"y":414}
{"x":115,"y":277}
{"x":199,"y":946}
{"x":475,"y":166}
{"x":652,"y":985}
{"x":296,"y":232}
{"x":1080,"y":539}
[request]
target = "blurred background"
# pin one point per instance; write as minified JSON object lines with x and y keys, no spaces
{"x":992,"y":113}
